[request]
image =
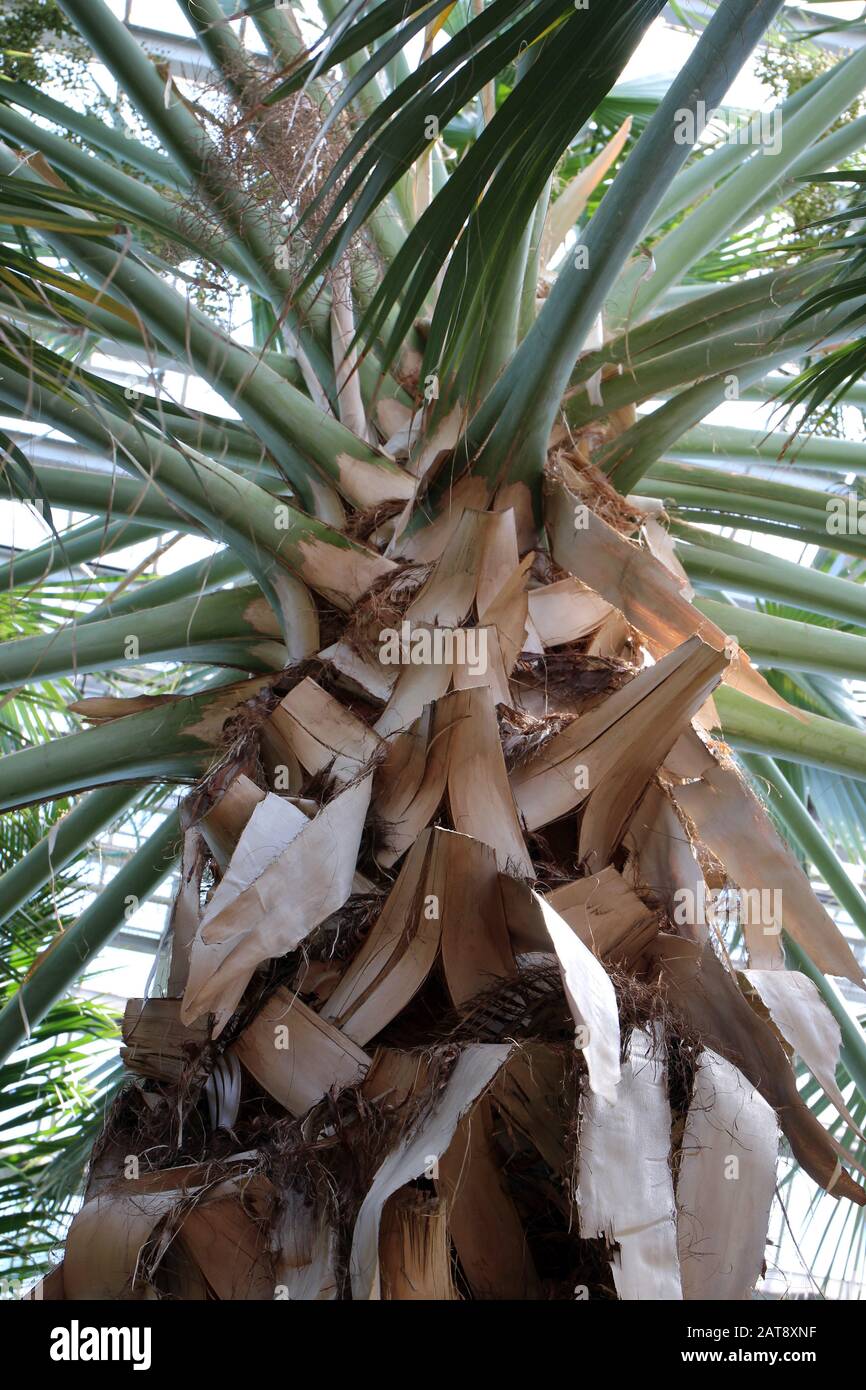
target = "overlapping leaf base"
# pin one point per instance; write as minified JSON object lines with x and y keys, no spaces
{"x":430,"y":1023}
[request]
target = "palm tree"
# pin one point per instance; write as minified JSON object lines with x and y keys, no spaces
{"x":480,"y":908}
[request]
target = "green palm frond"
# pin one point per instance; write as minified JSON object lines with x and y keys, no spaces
{"x":511,"y":160}
{"x":52,"y":1090}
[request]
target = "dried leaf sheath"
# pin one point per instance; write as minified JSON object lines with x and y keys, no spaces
{"x":455,"y":1036}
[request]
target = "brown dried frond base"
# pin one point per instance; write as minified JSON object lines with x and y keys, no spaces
{"x":574,"y":467}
